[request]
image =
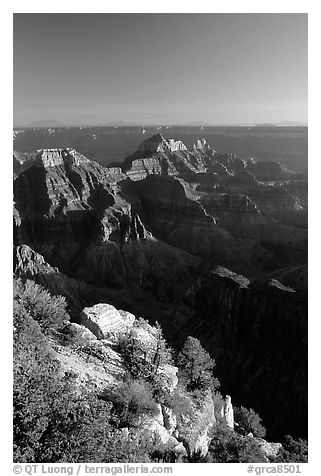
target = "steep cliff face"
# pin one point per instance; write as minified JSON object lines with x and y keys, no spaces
{"x":63,"y":203}
{"x":150,"y":264}
{"x":232,"y":231}
{"x":228,"y":174}
{"x":22,"y":161}
{"x":172,"y":213}
{"x":298,"y":188}
{"x":62,"y":180}
{"x":264,"y":170}
{"x":239,"y":214}
{"x":71,"y":211}
{"x":158,"y":143}
{"x":160,"y":163}
{"x":277,"y":202}
{"x":272,"y":200}
{"x":257,"y":332}
{"x":159,"y":156}
{"x":29,"y":264}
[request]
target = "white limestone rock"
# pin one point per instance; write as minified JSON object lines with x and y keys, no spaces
{"x":145,"y":334}
{"x":195,"y":427}
{"x":78,"y":331}
{"x":51,"y":157}
{"x":156,"y":432}
{"x":227,"y":412}
{"x":158,"y":143}
{"x":97,"y":370}
{"x":269,"y":448}
{"x":168,"y":376}
{"x":104,"y":320}
{"x":171,"y":145}
{"x":158,"y":416}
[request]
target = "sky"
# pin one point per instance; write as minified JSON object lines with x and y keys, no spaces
{"x":160,"y":68}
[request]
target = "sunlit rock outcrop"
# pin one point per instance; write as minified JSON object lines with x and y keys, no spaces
{"x":227,"y":413}
{"x":104,"y":320}
{"x":158,"y":143}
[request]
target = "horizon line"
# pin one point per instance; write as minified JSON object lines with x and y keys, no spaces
{"x":62,"y":125}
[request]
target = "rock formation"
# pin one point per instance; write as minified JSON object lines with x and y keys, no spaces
{"x":22,"y":161}
{"x":192,"y":238}
{"x":257,"y":332}
{"x":227,"y":413}
{"x":195,"y":429}
{"x":239,"y":214}
{"x":270,"y":449}
{"x":104,"y":320}
{"x":62,"y":182}
{"x":158,"y":143}
{"x":201,"y":144}
{"x":264,"y":170}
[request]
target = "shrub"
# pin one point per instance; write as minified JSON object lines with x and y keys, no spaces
{"x":143,"y":358}
{"x":95,"y":440}
{"x":293,"y":451}
{"x":196,"y":366}
{"x":131,"y":400}
{"x":51,"y":421}
{"x":131,"y":448}
{"x":49,"y":311}
{"x":196,"y":457}
{"x":227,"y":446}
{"x":37,"y":388}
{"x":164,"y":455}
{"x":248,"y":422}
{"x":180,"y":403}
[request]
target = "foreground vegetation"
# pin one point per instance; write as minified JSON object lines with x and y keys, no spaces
{"x":54,"y":422}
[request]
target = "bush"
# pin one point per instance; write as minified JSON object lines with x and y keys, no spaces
{"x":180,"y":403}
{"x":143,"y":359}
{"x":38,"y":388}
{"x":131,"y":400}
{"x":196,"y":457}
{"x":51,"y":421}
{"x":49,"y":311}
{"x":248,"y":421}
{"x":131,"y":448}
{"x":96,"y":440}
{"x":164,"y":455}
{"x":293,"y":451}
{"x":196,"y":366}
{"x":227,"y":446}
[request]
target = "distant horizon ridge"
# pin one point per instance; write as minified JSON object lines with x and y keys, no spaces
{"x":120,"y":123}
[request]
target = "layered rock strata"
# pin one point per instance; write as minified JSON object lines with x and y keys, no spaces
{"x":257,"y":332}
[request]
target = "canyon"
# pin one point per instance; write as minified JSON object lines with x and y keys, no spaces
{"x":208,"y":244}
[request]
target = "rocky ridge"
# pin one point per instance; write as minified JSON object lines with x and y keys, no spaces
{"x":93,"y":356}
{"x":97,"y":364}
